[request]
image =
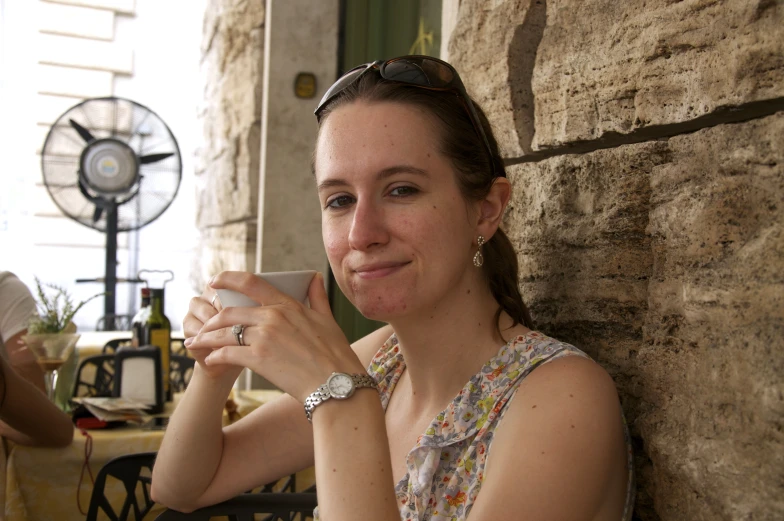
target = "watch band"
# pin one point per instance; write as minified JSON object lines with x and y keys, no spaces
{"x":322,"y":394}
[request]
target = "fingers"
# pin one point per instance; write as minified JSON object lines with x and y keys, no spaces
{"x":231,"y":355}
{"x":215,"y":300}
{"x":317,"y":295}
{"x":200,"y":310}
{"x":215,"y":339}
{"x":250,"y":285}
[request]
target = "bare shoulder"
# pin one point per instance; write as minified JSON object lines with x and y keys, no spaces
{"x":561,"y":436}
{"x":367,"y":346}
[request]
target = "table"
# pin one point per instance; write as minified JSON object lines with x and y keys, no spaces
{"x":41,"y":483}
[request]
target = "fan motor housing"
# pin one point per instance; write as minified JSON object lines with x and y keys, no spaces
{"x":109,"y":166}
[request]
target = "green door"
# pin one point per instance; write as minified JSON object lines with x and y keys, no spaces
{"x":375,"y":30}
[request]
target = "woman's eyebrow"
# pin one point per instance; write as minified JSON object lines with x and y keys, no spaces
{"x":383,"y":174}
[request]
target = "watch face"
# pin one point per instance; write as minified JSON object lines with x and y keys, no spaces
{"x":340,"y":385}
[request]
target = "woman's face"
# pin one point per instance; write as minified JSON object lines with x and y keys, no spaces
{"x":397,"y":231}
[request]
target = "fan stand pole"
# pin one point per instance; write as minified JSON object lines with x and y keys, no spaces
{"x":110,"y":281}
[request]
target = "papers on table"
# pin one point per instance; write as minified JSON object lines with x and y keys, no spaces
{"x":115,"y":409}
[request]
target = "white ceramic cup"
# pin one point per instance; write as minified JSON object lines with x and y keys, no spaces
{"x":292,"y":283}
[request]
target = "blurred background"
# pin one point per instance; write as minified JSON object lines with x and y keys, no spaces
{"x":199,"y":67}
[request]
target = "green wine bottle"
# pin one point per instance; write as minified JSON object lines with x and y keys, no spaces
{"x":157,"y":332}
{"x":137,"y":326}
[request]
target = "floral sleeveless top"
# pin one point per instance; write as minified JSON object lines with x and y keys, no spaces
{"x":446,"y":466}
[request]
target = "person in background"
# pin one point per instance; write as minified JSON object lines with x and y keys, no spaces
{"x":26,"y":415}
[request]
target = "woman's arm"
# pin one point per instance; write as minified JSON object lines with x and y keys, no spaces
{"x":200,"y":463}
{"x":28,"y":417}
{"x":298,"y":349}
{"x":24,"y":362}
{"x":559,"y":451}
{"x":353,"y":465}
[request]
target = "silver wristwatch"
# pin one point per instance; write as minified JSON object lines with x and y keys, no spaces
{"x":339,"y":386}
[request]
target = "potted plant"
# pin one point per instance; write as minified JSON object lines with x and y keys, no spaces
{"x":51,"y":335}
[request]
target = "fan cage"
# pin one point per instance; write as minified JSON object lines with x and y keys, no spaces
{"x":131,"y":123}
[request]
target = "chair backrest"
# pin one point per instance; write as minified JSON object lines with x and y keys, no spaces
{"x":133,"y":470}
{"x":279,"y":506}
{"x":95,"y":376}
{"x":114,"y":344}
{"x":180,"y":372}
{"x":114,"y":323}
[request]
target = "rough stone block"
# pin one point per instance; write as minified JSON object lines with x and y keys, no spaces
{"x":494,"y":49}
{"x":228,"y":163}
{"x":227,"y":247}
{"x":606,"y":67}
{"x":228,"y":189}
{"x":664,"y":261}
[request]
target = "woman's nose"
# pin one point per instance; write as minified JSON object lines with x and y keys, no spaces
{"x":368,"y":228}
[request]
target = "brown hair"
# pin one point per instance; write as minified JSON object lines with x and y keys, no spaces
{"x":461,"y":144}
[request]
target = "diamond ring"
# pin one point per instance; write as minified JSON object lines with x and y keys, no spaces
{"x":237,"y":331}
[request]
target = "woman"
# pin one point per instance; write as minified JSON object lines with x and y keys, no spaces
{"x":413,"y":190}
{"x":27,"y":417}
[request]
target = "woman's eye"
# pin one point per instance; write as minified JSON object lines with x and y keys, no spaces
{"x":340,"y":201}
{"x":403,"y":191}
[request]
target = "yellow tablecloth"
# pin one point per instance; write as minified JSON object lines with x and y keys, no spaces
{"x":41,"y":483}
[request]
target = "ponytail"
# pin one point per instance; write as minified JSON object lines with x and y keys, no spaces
{"x":500,"y":269}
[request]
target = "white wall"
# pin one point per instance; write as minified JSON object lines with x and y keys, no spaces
{"x":164,"y":38}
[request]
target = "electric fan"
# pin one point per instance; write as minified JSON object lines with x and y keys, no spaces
{"x":113,"y":165}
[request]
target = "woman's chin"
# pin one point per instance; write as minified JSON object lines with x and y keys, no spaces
{"x":382,"y":310}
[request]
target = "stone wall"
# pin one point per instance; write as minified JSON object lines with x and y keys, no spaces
{"x":227,"y":169}
{"x":644,"y":140}
{"x":257,"y":202}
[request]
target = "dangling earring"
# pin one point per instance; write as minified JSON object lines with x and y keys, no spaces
{"x":478,"y":258}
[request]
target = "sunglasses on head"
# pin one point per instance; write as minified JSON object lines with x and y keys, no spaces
{"x":418,"y":71}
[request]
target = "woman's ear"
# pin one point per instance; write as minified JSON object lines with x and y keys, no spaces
{"x":491,"y":208}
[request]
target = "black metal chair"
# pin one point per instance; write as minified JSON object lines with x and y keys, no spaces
{"x":135,"y":473}
{"x":114,"y":344}
{"x":180,"y":372}
{"x":178,"y":347}
{"x":114,"y":323}
{"x":95,"y":376}
{"x":280,"y":507}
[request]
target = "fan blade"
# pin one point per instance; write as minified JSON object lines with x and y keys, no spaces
{"x":97,"y":213}
{"x":154,"y":158}
{"x":82,"y":131}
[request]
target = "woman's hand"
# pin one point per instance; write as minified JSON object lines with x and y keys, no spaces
{"x":293,"y":346}
{"x":200,"y":310}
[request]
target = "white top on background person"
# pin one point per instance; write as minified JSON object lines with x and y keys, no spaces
{"x":27,"y":416}
{"x":17,"y":307}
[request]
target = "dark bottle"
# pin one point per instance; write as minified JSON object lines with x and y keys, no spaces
{"x":137,"y":325}
{"x":157,"y":332}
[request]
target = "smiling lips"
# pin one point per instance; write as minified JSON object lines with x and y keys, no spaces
{"x":379,"y":269}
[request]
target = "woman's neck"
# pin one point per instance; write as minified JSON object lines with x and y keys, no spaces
{"x":444,"y":347}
